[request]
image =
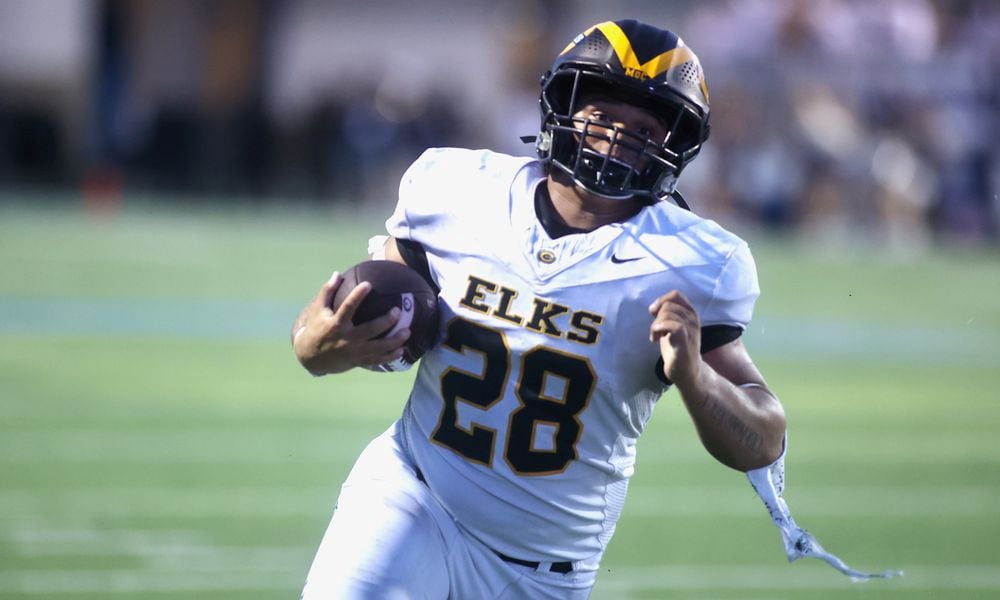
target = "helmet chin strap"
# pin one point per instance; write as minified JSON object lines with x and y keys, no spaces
{"x":679,"y":200}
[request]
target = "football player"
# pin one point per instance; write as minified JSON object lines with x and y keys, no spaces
{"x":575,"y":289}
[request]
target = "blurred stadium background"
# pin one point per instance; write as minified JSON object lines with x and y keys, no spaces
{"x":177,"y":178}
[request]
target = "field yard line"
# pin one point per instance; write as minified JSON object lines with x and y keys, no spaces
{"x":258,"y":445}
{"x":192,"y":445}
{"x":131,"y":581}
{"x":614,"y":581}
{"x":227,"y":318}
{"x":163,"y":547}
{"x":800,"y":576}
{"x":880,"y":450}
{"x":881,"y":342}
{"x":161,"y":317}
{"x":646,"y":500}
{"x":83,"y":503}
{"x":42,"y":534}
{"x":920,"y":500}
{"x":179,"y":556}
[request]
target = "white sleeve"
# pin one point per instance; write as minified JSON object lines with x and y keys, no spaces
{"x":423,"y":193}
{"x":447,"y":191}
{"x":736,"y":291}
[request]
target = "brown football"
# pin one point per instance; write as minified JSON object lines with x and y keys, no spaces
{"x":394,"y":285}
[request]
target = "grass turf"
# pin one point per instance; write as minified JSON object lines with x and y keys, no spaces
{"x":159,"y":440}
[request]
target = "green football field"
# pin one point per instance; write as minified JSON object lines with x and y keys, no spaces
{"x":158,"y":439}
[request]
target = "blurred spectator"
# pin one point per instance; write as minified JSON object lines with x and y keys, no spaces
{"x":45,"y":48}
{"x":844,"y":118}
{"x":178,"y":93}
{"x":867,"y":120}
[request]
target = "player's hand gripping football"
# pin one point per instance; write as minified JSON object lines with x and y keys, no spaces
{"x":326,"y":341}
{"x":677,"y":327}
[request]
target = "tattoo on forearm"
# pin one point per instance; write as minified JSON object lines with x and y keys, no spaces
{"x":730,"y":422}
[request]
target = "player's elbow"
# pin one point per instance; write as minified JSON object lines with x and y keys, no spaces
{"x":758,"y":443}
{"x":772,"y":440}
{"x":777,"y":425}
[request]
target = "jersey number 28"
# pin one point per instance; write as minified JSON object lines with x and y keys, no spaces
{"x":538,"y":411}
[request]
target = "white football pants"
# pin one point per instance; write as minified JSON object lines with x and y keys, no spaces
{"x":389,"y":539}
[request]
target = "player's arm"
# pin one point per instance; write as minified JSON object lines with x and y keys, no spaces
{"x":740,"y":422}
{"x":407,"y":252}
{"x":384,"y":247}
{"x":326,"y":341}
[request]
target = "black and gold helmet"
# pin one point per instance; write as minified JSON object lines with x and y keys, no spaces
{"x":634,"y":63}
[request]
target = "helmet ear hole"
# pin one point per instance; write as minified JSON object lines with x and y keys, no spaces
{"x":666,"y":186}
{"x":543,"y":143}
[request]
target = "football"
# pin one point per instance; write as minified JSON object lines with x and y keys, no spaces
{"x":394,"y":285}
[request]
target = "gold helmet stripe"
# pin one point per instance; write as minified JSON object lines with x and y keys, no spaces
{"x":623,"y":48}
{"x":652,"y":67}
{"x":577,"y":40}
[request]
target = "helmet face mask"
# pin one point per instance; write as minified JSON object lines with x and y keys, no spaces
{"x":603,"y":62}
{"x":603,"y":157}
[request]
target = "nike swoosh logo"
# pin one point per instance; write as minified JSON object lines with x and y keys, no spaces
{"x":618,"y":261}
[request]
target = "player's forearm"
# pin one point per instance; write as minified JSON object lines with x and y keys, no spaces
{"x":742,"y":427}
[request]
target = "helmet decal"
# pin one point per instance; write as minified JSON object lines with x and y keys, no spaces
{"x":647,"y":67}
{"x":633,"y":65}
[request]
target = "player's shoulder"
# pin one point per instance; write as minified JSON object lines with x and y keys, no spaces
{"x":459,"y":165}
{"x":455,"y":189}
{"x":664,"y":226}
{"x":457,"y":181}
{"x":715,"y":264}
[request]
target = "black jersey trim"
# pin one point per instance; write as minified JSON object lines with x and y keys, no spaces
{"x":548,"y":217}
{"x":712,"y":337}
{"x":415,"y":257}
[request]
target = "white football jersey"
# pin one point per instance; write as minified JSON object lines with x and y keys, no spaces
{"x":524,"y":417}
